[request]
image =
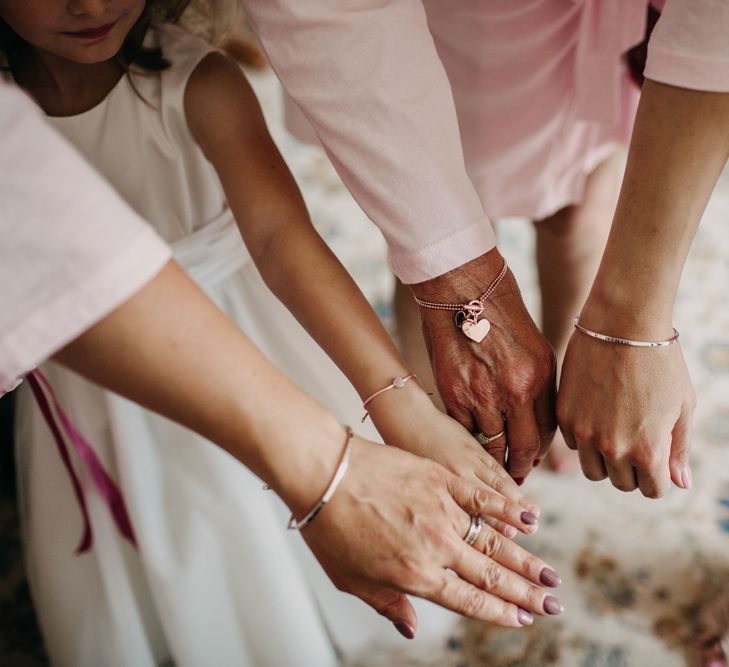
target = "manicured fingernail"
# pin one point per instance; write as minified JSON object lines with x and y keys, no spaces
{"x":549,"y":577}
{"x":519,"y":480}
{"x":510,"y":532}
{"x":524,"y":617}
{"x":536,"y":462}
{"x":528,"y":518}
{"x":405,"y":629}
{"x":686,"y":478}
{"x":553,"y":606}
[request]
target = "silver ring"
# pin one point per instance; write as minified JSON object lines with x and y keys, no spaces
{"x":484,"y":439}
{"x":474,"y":530}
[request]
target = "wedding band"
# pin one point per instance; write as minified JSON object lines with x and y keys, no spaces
{"x":484,"y":439}
{"x":473,"y":530}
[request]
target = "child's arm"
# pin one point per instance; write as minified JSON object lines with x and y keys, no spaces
{"x":225,"y":118}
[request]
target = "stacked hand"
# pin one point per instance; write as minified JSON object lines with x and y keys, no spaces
{"x":396,"y":525}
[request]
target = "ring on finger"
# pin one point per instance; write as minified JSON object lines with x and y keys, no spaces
{"x":474,"y":530}
{"x":484,"y":439}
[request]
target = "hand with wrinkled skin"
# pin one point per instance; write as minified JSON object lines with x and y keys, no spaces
{"x":395,"y":526}
{"x":507,"y":381}
{"x":628,"y":413}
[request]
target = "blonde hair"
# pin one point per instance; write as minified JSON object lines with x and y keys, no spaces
{"x":212,"y":20}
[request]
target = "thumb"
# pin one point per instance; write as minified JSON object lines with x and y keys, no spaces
{"x":392,"y":604}
{"x":680,"y":446}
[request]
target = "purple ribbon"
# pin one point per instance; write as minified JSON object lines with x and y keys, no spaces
{"x":104,"y":483}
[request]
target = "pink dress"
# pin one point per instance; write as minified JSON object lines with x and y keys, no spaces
{"x":537,"y":86}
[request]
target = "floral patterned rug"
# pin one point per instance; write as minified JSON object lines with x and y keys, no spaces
{"x":636,"y":572}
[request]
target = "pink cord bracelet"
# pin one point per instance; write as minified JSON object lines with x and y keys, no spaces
{"x":397,"y":383}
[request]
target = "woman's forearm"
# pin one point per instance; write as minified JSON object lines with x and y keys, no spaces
{"x":680,"y":145}
{"x":171,"y":350}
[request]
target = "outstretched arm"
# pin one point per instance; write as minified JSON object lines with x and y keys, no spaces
{"x":395,"y":523}
{"x":627,"y":410}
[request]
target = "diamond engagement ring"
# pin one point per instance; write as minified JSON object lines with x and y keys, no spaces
{"x":474,"y":529}
{"x":484,"y":439}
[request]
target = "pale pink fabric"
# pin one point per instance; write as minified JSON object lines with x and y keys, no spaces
{"x":690,"y":45}
{"x":70,"y":249}
{"x":367,"y":75}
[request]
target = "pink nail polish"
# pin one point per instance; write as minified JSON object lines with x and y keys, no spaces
{"x":686,"y":478}
{"x":524,"y":617}
{"x":528,"y":518}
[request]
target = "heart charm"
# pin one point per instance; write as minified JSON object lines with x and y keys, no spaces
{"x":476,"y":331}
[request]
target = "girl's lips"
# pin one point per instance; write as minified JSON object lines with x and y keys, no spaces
{"x":93,"y":33}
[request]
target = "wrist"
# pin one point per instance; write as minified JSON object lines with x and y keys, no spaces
{"x":396,"y":414}
{"x":300,"y":471}
{"x":464,"y":283}
{"x":620,"y":310}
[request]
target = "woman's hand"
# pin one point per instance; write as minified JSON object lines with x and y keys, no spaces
{"x":396,"y":525}
{"x":408,"y":420}
{"x":628,"y":411}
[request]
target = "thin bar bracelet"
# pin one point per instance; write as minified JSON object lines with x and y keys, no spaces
{"x":397,"y":383}
{"x":625,"y":341}
{"x":338,"y":475}
{"x":467,"y":314}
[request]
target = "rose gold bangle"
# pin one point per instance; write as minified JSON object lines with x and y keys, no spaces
{"x":338,"y":475}
{"x":397,"y":383}
{"x":625,"y":341}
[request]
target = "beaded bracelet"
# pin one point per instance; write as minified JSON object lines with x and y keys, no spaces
{"x":338,"y":475}
{"x":397,"y":383}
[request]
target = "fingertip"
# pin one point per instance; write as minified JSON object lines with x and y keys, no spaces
{"x":405,"y":629}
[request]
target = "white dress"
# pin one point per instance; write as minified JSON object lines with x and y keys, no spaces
{"x":216,"y":579}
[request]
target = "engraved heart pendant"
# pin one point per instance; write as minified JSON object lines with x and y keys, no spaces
{"x":476,"y":331}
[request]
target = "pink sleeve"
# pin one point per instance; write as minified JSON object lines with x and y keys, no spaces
{"x":367,"y":76}
{"x":689,"y":47}
{"x":70,"y":249}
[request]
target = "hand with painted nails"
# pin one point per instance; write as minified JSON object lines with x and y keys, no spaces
{"x":506,"y":382}
{"x":396,"y":526}
{"x":410,"y":421}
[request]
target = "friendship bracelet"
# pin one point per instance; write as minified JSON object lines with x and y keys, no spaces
{"x":338,"y":475}
{"x":467,"y":314}
{"x":625,"y":341}
{"x":397,"y":383}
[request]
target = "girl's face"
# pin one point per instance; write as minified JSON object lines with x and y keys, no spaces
{"x":83,"y":31}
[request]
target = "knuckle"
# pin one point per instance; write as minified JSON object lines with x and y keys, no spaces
{"x":492,"y":544}
{"x":497,"y":484}
{"x":610,"y":449}
{"x":644,"y":457}
{"x":581,"y":431}
{"x":473,"y":603}
{"x":481,"y":499}
{"x":490,"y":577}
